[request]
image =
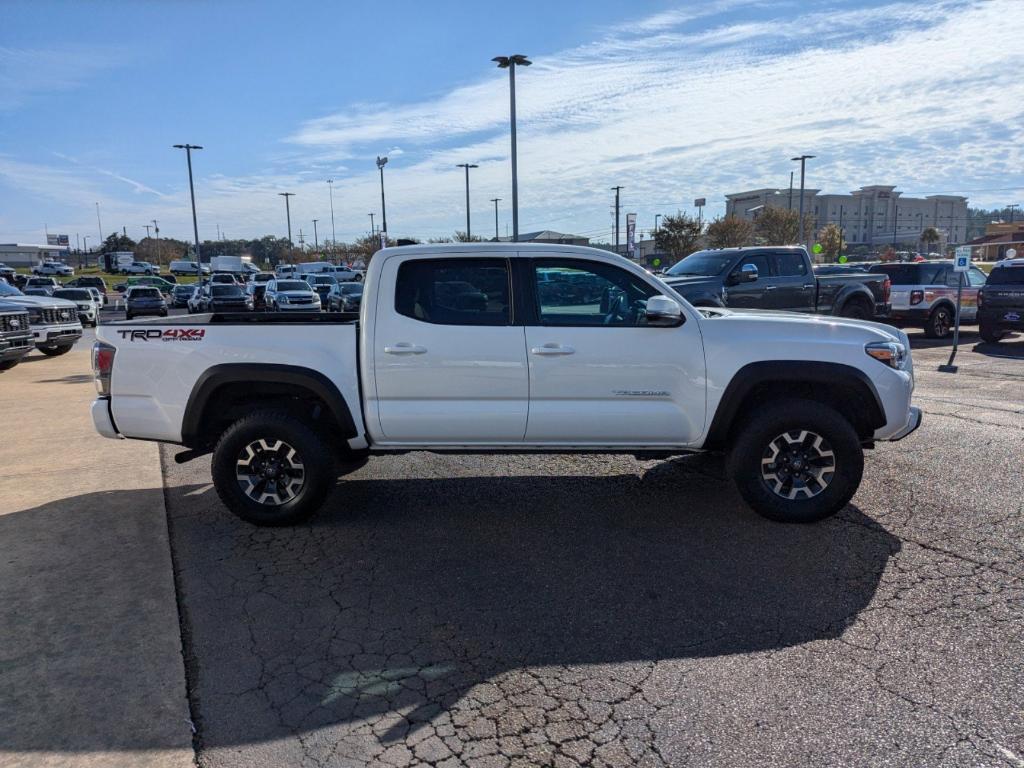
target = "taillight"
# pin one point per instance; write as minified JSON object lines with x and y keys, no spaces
{"x":886,"y":290}
{"x":102,"y":365}
{"x":916,"y":297}
{"x":981,"y":297}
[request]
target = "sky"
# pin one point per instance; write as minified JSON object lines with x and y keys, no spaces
{"x":670,"y":100}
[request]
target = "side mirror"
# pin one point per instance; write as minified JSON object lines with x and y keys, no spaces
{"x":745,"y":274}
{"x":663,"y":312}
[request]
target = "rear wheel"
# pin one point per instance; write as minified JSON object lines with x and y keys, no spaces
{"x":271,"y":468}
{"x":53,"y":351}
{"x":856,"y":309}
{"x":798,"y":461}
{"x":6,"y":365}
{"x":940,"y":323}
{"x":989,"y":332}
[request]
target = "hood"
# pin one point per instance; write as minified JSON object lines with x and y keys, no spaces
{"x":685,"y":284}
{"x":43,"y":302}
{"x":797,"y":323}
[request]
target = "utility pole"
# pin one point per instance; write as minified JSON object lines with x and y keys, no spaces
{"x":381,"y":162}
{"x":195,"y":225}
{"x":467,"y":166}
{"x":99,"y":224}
{"x":159,"y":253}
{"x":803,"y":159}
{"x":146,"y":227}
{"x":316,"y":241}
{"x":495,"y":200}
{"x":617,"y":190}
{"x":288,"y":213}
{"x":373,"y":230}
{"x":840,"y":227}
{"x":790,"y":207}
{"x":334,"y":235}
{"x":656,"y":217}
{"x":1011,"y":208}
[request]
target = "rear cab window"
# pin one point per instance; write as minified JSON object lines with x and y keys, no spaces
{"x":1006,"y":276}
{"x":462,"y":291}
{"x":911,"y":274}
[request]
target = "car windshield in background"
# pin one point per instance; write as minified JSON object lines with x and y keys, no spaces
{"x":76,"y":294}
{"x":6,"y":289}
{"x":1006,"y":276}
{"x":324,"y":279}
{"x":701,"y":263}
{"x":226,"y":291}
{"x":908,"y":274}
{"x":352,"y":289}
{"x":293,"y":285}
{"x":144,"y":293}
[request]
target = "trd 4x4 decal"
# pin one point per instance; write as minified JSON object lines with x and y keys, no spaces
{"x":171,"y":334}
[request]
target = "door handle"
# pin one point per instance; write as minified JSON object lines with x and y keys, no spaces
{"x":405,"y":348}
{"x":808,"y":285}
{"x":770,"y":287}
{"x":552,"y":350}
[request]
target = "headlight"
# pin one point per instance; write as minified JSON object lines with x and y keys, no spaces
{"x":892,"y":353}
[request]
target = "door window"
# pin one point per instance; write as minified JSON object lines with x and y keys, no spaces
{"x":760,"y":261}
{"x":454,"y":291}
{"x":789,"y":264}
{"x":570,"y":292}
{"x":976,"y":278}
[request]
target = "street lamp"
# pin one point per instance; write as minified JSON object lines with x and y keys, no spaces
{"x":656,"y":217}
{"x":316,"y":241}
{"x":192,"y":191}
{"x":467,"y":166}
{"x":495,"y":200}
{"x":159,"y":253}
{"x":803,"y":159}
{"x":510,"y":63}
{"x":334,"y":235}
{"x":373,"y":230}
{"x":288,"y":213}
{"x":381,"y":162}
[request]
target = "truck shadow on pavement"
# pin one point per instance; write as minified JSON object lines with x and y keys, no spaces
{"x":403,"y":597}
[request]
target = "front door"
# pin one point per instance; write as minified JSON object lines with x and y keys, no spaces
{"x":753,"y":295}
{"x":598,"y":374}
{"x":449,"y":365}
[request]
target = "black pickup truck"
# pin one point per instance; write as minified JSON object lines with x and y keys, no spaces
{"x":776,"y":277}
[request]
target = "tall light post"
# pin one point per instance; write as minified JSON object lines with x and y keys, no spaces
{"x":656,"y":217}
{"x":288,"y":213}
{"x":99,"y":224}
{"x":192,"y":191}
{"x":1012,"y":207}
{"x":334,"y":235}
{"x":510,"y":63}
{"x":803,"y":160}
{"x":495,"y":200}
{"x":159,"y":253}
{"x":373,"y":230}
{"x":617,"y":190}
{"x":467,"y":166}
{"x":316,"y":240}
{"x":381,"y":162}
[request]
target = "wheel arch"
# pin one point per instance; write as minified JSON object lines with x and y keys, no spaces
{"x":842,"y":387}
{"x":855,"y":292}
{"x":225,"y":392}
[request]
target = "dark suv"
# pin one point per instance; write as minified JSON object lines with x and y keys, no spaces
{"x":1001,"y":300}
{"x":144,"y":300}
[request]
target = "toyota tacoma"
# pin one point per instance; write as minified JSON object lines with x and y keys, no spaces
{"x":509,"y":348}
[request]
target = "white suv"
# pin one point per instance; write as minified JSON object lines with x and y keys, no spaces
{"x":52,"y":268}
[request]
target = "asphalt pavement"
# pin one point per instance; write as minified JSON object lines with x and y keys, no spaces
{"x":599,"y":610}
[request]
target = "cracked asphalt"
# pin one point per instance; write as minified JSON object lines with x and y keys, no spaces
{"x":603,"y":611}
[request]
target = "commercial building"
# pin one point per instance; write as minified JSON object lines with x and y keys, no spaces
{"x":999,"y":237}
{"x":872,"y":216}
{"x":24,"y":255}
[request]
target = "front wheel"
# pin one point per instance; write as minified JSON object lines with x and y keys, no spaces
{"x":940,"y":323}
{"x":271,"y":468}
{"x":54,"y":351}
{"x":797,"y":461}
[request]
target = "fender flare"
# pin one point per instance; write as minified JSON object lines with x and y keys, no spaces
{"x":853,"y":292}
{"x":752,"y":375}
{"x":216,"y":376}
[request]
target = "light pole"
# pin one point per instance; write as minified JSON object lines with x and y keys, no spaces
{"x":617,"y":190}
{"x":656,"y":217}
{"x":790,"y":208}
{"x":156,"y":231}
{"x":288,"y":213}
{"x":316,"y":241}
{"x":99,"y":225}
{"x":334,"y":235}
{"x":467,"y":166}
{"x":146,"y":227}
{"x":1012,"y":207}
{"x":510,"y":63}
{"x":495,"y":200}
{"x":373,"y":230}
{"x":803,"y":159}
{"x":895,"y":221}
{"x":195,"y":225}
{"x":381,"y":162}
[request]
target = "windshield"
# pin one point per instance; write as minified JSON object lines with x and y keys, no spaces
{"x":352,"y":289}
{"x":324,"y":280}
{"x":78,"y":294}
{"x":225,"y":291}
{"x":702,"y":263}
{"x":1006,"y":276}
{"x":293,"y":285}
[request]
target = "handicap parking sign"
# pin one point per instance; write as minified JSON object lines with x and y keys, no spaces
{"x":962,"y":259}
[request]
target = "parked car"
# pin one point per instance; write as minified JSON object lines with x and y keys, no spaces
{"x":89,"y":281}
{"x":144,"y":300}
{"x":345,"y":297}
{"x":322,"y":285}
{"x":195,"y":300}
{"x":1001,"y":300}
{"x":165,"y":286}
{"x":88,"y":306}
{"x":225,"y":298}
{"x":48,"y":284}
{"x":100,"y":298}
{"x":54,"y":322}
{"x":15,"y":333}
{"x":291,"y":295}
{"x":180,"y":295}
{"x":52,"y":268}
{"x":777,"y":277}
{"x":182,"y":267}
{"x":261,"y":277}
{"x":224,"y":278}
{"x":924,"y":295}
{"x":7,"y":273}
{"x":257,"y":292}
{"x":793,"y":399}
{"x":138,"y":268}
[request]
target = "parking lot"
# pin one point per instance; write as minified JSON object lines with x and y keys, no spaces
{"x":598,"y":610}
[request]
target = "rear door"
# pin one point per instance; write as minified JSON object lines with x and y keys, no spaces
{"x":598,"y":374}
{"x":794,"y":286}
{"x":449,"y":364}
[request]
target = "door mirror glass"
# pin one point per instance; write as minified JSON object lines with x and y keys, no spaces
{"x":663,"y":312}
{"x":746,"y":274}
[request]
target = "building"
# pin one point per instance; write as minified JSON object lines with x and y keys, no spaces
{"x":873,"y":216}
{"x":999,"y":237}
{"x":549,"y":236}
{"x":24,"y":255}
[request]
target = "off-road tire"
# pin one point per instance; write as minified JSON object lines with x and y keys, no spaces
{"x":317,"y":461}
{"x":791,"y":417}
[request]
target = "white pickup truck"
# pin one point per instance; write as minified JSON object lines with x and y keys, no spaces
{"x":509,"y":348}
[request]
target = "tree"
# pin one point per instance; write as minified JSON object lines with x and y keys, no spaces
{"x":930,"y":236}
{"x":117,"y":242}
{"x":730,"y":232}
{"x":832,"y":243}
{"x":678,"y":236}
{"x":462,"y":237}
{"x":781,"y":226}
{"x":442,"y":239}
